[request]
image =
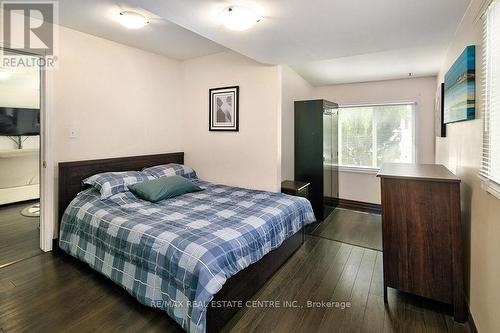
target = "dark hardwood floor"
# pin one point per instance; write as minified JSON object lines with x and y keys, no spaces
{"x":325,"y":270}
{"x":352,"y":227}
{"x":19,"y":235}
{"x":54,"y":292}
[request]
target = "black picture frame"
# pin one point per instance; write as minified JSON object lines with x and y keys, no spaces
{"x":224,"y":117}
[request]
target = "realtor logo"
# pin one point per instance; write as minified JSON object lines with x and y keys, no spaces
{"x":29,"y":27}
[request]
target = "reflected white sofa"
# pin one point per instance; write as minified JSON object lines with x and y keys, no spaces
{"x":19,"y":175}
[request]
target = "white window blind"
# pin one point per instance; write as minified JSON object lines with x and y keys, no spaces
{"x":370,"y":135}
{"x":490,"y":171}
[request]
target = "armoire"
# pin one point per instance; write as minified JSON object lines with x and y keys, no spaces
{"x":316,"y":153}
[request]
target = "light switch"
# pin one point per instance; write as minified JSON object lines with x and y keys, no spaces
{"x":72,"y":133}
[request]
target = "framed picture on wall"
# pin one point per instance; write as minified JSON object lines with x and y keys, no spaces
{"x":224,"y":109}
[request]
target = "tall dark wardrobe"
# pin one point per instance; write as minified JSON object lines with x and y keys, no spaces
{"x":316,"y":153}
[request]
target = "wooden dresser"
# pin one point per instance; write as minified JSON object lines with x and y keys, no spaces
{"x":422,"y":233}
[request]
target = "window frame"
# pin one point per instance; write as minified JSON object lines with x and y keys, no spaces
{"x":375,"y":170}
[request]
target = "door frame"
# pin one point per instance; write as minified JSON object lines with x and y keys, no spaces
{"x":47,"y":164}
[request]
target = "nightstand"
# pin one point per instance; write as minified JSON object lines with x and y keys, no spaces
{"x":296,"y":188}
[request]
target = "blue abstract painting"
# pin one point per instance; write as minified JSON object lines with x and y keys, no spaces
{"x":460,"y":88}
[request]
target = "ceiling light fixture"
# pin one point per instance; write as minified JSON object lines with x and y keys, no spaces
{"x":239,"y":18}
{"x":132,"y":20}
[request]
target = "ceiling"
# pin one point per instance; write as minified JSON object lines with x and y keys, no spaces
{"x":97,"y":17}
{"x":326,"y":41}
{"x":387,"y":65}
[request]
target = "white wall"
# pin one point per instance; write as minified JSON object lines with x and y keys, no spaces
{"x":461,"y":151}
{"x":366,"y":187}
{"x":248,"y":158}
{"x":16,"y":96}
{"x":120,"y":100}
{"x":294,"y":88}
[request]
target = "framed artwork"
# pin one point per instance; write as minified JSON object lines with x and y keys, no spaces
{"x":224,"y":109}
{"x":460,"y":88}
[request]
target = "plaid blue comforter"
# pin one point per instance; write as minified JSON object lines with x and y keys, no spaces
{"x":178,"y":253}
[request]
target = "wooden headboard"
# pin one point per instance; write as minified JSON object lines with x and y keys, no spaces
{"x":71,"y":174}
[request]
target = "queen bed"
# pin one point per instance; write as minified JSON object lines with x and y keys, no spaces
{"x":198,"y":256}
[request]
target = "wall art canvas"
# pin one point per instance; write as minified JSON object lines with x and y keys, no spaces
{"x":460,"y":88}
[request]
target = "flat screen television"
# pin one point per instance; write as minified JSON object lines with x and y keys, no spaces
{"x":19,"y":121}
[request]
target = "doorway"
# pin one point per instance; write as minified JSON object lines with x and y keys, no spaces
{"x":20,"y":167}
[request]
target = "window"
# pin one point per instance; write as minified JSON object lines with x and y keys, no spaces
{"x":372,"y":135}
{"x":491,"y":93}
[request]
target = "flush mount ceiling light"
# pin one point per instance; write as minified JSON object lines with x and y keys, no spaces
{"x":132,"y":20}
{"x":239,"y":18}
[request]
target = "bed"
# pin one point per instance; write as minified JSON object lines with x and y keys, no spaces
{"x":198,"y":256}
